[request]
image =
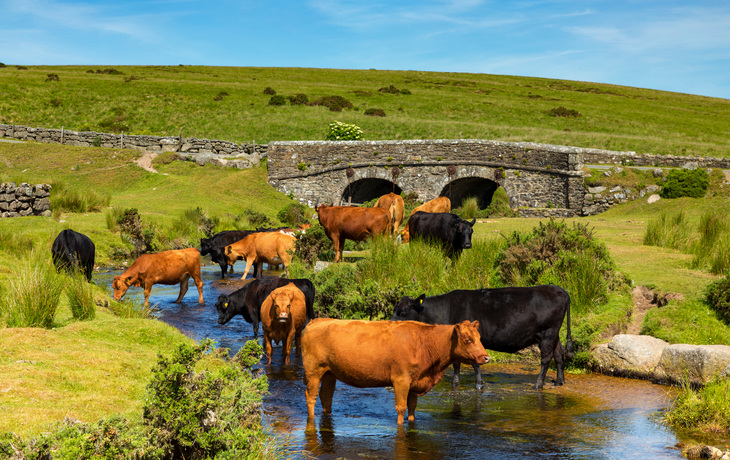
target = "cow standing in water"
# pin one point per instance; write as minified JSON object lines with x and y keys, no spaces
{"x":510,"y":319}
{"x":73,"y":251}
{"x":351,"y":223}
{"x":271,"y":247}
{"x":167,"y":267}
{"x":283,"y":315}
{"x":409,"y":356}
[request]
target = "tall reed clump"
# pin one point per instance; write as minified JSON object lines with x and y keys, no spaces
{"x":33,"y":293}
{"x":80,"y":294}
{"x":669,"y":230}
{"x":77,"y":201}
{"x":187,"y":230}
{"x":469,"y":208}
{"x":476,"y":268}
{"x":706,"y":410}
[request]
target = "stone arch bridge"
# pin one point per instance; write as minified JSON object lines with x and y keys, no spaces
{"x":534,"y":176}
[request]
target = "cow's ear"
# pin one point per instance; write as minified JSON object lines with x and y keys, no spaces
{"x":419,"y":303}
{"x":127,"y":281}
{"x":475,"y":325}
{"x":228,"y":250}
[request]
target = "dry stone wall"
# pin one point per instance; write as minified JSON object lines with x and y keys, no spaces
{"x":24,"y":200}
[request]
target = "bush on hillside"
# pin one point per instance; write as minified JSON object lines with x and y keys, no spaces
{"x":717,"y":295}
{"x":375,"y":112}
{"x":256,"y":219}
{"x":499,"y":206}
{"x":691,"y":183}
{"x":52,"y":77}
{"x":277,"y":100}
{"x":298,"y":99}
{"x":334,"y":103}
{"x":294,"y":215}
{"x":389,"y":90}
{"x":270,"y":91}
{"x":131,"y":229}
{"x":563,"y":112}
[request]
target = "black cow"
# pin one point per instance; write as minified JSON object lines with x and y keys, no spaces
{"x":247,"y":301}
{"x":73,"y":251}
{"x":510,"y":319}
{"x":453,"y":232}
{"x":216,"y":245}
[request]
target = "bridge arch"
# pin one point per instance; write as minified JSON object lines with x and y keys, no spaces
{"x":366,"y":189}
{"x":478,"y":187}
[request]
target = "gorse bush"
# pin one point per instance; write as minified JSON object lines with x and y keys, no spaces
{"x":33,"y":293}
{"x":333,"y":103}
{"x":294,"y":215}
{"x":339,"y":131}
{"x":298,"y":99}
{"x":685,"y":182}
{"x":277,"y":100}
{"x":717,"y":295}
{"x":255,"y":218}
{"x":313,"y":246}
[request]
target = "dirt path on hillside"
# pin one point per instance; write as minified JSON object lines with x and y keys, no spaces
{"x":145,"y":161}
{"x":644,"y":300}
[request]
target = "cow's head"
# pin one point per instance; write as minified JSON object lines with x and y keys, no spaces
{"x":409,"y":309}
{"x":405,"y":235}
{"x":468,"y":347}
{"x":232,"y":255}
{"x":205,"y":246}
{"x":281,"y":304}
{"x":462,"y":233}
{"x":120,"y":286}
{"x":225,"y":314}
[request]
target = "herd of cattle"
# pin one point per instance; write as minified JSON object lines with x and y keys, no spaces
{"x":410,"y":356}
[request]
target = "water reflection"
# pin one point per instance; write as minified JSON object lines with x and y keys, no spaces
{"x":591,"y":417}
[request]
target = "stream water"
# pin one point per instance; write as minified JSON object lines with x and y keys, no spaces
{"x":591,"y":417}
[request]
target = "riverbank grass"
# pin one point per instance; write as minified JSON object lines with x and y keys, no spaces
{"x":704,"y":411}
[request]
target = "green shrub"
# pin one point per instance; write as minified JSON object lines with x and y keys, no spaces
{"x":469,"y":208}
{"x":314,"y":245}
{"x":294,"y":215}
{"x":256,"y":219}
{"x":389,"y":90}
{"x":405,"y":92}
{"x":52,"y":77}
{"x":375,"y":112}
{"x":220,"y":96}
{"x":339,"y":131}
{"x":80,"y":294}
{"x":165,"y":158}
{"x":563,"y":112}
{"x":132,"y":231}
{"x":33,"y":293}
{"x":685,"y":182}
{"x":277,"y":100}
{"x":717,"y":295}
{"x":97,"y":141}
{"x":299,"y":99}
{"x":333,"y":103}
{"x":270,"y":91}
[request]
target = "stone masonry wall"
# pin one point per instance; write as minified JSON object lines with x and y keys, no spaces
{"x":24,"y":200}
{"x":190,"y":148}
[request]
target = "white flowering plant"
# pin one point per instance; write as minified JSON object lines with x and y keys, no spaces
{"x":339,"y":131}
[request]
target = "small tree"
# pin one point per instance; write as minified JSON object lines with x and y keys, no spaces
{"x":339,"y":131}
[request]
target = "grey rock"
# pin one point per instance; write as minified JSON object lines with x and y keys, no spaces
{"x":594,"y":190}
{"x":630,"y":355}
{"x":615,"y":189}
{"x":653,"y":199}
{"x":320,"y":265}
{"x":698,"y":363}
{"x":42,"y":205}
{"x":588,"y":197}
{"x":691,"y":165}
{"x":642,"y":193}
{"x":47,"y":213}
{"x":607,"y":173}
{"x":657,"y":172}
{"x":617,"y":169}
{"x":652,"y":188}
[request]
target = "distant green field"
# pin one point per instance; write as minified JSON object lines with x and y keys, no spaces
{"x":182,"y":100}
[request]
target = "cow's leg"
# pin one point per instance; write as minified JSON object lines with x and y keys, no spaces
{"x":184,"y":288}
{"x":342,"y":250}
{"x":326,"y":391}
{"x":287,"y":346}
{"x":255,"y":324}
{"x":199,"y":284}
{"x":559,"y":363}
{"x":259,"y":269}
{"x":230,"y":268}
{"x":401,"y":389}
{"x":267,"y":344}
{"x":336,"y":244}
{"x":298,"y":342}
{"x":311,"y":382}
{"x":147,"y":292}
{"x":478,"y":375}
{"x":249,"y":262}
{"x":546,"y":355}
{"x":224,"y":267}
{"x":412,"y":401}
{"x":455,"y":379}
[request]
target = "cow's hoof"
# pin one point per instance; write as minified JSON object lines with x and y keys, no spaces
{"x":479,"y":386}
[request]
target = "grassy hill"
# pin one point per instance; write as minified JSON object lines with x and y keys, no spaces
{"x":182,"y":99}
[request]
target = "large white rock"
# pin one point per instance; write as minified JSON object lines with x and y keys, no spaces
{"x":629,"y":355}
{"x":696,"y":363}
{"x":653,"y":198}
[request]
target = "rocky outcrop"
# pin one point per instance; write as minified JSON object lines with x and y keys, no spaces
{"x":649,"y":358}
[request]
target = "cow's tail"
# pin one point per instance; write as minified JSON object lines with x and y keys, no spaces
{"x":569,"y":349}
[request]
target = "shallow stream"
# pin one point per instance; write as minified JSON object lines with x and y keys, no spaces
{"x":591,"y":417}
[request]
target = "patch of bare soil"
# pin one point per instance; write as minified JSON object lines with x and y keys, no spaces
{"x":145,"y":161}
{"x":644,"y":300}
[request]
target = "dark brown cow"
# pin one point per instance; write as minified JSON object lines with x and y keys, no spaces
{"x":283,"y":315}
{"x":412,"y":358}
{"x":440,"y":204}
{"x":350,"y":223}
{"x":167,"y":267}
{"x":396,"y":209}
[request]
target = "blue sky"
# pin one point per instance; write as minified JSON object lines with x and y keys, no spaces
{"x":681,"y":46}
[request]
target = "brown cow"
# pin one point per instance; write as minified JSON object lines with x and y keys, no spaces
{"x":167,"y":267}
{"x":412,"y":358}
{"x":257,"y":248}
{"x":283,"y":316}
{"x":440,"y":204}
{"x":396,"y":208}
{"x":351,"y":223}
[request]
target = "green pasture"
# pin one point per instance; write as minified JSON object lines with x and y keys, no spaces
{"x":229,"y":103}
